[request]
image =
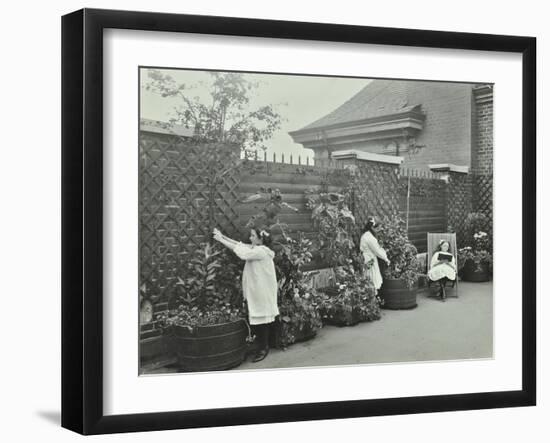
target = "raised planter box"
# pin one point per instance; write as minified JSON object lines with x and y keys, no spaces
{"x":208,"y":348}
{"x":397,"y":295}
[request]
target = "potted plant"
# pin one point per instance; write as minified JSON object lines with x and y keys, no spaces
{"x":352,"y":299}
{"x":475,"y":261}
{"x":205,"y":326}
{"x":400,"y":278}
{"x":299,"y":318}
{"x":334,"y":220}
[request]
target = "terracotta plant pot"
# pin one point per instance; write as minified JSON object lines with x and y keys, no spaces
{"x":208,"y":348}
{"x":395,"y":294}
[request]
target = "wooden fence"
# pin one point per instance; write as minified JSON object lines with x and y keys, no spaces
{"x":292,"y":180}
{"x":423,"y":199}
{"x":174,"y":190}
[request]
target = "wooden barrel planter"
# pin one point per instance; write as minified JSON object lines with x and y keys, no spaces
{"x":154,"y":353}
{"x":397,"y":295}
{"x":209,"y":348}
{"x":472,"y":273}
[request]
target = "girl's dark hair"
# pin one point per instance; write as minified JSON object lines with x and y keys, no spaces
{"x":369,"y":225}
{"x":450,"y":251}
{"x":264,"y":235}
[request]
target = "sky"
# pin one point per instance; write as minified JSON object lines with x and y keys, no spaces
{"x":299,"y":99}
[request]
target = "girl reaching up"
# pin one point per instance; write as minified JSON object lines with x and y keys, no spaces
{"x":259,"y":284}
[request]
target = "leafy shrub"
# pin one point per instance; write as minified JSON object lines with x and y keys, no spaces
{"x":404,"y":264}
{"x":268,"y":216}
{"x":352,"y":299}
{"x":210,"y":291}
{"x":332,"y":216}
{"x":479,"y":251}
{"x":479,"y":258}
{"x":299,"y":314}
{"x":476,"y":222}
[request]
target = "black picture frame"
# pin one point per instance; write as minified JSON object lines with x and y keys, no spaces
{"x":82,"y":217}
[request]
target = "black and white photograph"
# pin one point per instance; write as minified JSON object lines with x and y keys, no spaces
{"x":275,"y":222}
{"x":295,"y":221}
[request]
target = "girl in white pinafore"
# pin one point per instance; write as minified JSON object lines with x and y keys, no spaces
{"x":442,"y":267}
{"x":372,"y":251}
{"x":259,"y":283}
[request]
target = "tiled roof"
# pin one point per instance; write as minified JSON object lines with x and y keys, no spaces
{"x":378,"y":98}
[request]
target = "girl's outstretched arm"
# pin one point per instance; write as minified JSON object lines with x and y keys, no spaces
{"x":226,"y":241}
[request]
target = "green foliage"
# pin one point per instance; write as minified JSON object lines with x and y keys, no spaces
{"x":479,"y":258}
{"x":191,"y":319}
{"x":209,"y":292}
{"x":289,"y":260}
{"x":479,"y":251}
{"x":352,"y":299}
{"x":476,"y":222}
{"x":404,"y":265}
{"x":268,"y":217}
{"x":299,"y":315}
{"x":225,"y":115}
{"x":296,"y":299}
{"x":335,"y":222}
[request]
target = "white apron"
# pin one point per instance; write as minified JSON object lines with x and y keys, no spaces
{"x":259,"y":282}
{"x":371,"y":252}
{"x":443,"y":269}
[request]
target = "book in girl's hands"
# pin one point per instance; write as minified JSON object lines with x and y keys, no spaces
{"x":444,"y":256}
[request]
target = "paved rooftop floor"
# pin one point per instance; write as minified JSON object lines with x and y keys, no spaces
{"x":459,"y":328}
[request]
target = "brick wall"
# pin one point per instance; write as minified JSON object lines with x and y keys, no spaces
{"x":447,"y":129}
{"x":482,"y":152}
{"x":447,"y":133}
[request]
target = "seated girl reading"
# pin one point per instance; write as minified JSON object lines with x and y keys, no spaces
{"x":442,"y":267}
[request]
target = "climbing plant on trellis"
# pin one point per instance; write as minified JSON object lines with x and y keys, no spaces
{"x":182,"y":196}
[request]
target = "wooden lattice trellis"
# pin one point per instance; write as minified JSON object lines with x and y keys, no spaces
{"x":483,"y":196}
{"x":459,"y":204}
{"x":423,"y":206}
{"x":178,"y":201}
{"x":375,"y":191}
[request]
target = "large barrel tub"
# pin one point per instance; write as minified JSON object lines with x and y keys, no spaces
{"x":209,"y":348}
{"x":397,"y":295}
